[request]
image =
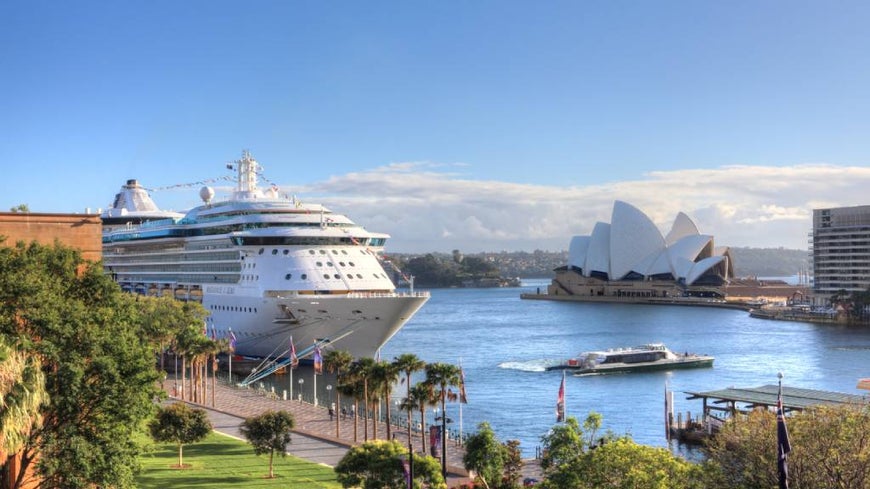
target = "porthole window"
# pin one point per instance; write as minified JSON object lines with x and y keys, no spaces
{"x":359,"y":276}
{"x":343,"y":252}
{"x":322,"y":252}
{"x":286,"y":252}
{"x":326,"y":276}
{"x":320,"y":264}
{"x":337,"y":276}
{"x":288,"y":276}
{"x":304,"y":276}
{"x":341,"y":263}
{"x":261,"y":251}
{"x":329,"y":263}
{"x":275,"y":252}
{"x":311,"y":251}
{"x":351,"y":263}
{"x":334,"y":252}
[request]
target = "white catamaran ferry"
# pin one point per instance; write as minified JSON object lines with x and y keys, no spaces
{"x":266,"y":266}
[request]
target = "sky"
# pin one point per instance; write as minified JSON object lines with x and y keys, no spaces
{"x":472,"y":125}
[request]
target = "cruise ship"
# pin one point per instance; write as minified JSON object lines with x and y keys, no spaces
{"x":266,"y":266}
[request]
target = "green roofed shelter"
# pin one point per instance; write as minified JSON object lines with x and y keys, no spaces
{"x":793,"y":398}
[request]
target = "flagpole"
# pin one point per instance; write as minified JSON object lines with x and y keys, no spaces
{"x":564,"y":402}
{"x":460,"y":404}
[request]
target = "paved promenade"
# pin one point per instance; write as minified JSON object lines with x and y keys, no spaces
{"x":314,"y":437}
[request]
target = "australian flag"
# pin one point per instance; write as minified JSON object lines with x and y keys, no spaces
{"x":782,"y":444}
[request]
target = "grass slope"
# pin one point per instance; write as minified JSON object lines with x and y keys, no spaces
{"x":220,"y":461}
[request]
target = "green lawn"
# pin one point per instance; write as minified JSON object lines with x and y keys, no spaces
{"x":223,"y":462}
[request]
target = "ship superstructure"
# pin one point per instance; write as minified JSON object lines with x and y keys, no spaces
{"x":266,"y":266}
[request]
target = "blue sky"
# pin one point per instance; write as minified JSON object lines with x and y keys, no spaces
{"x":472,"y":125}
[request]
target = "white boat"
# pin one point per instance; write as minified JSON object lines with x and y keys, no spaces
{"x":651,"y":356}
{"x":266,"y":266}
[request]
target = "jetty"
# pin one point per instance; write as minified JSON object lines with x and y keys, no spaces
{"x":722,"y":404}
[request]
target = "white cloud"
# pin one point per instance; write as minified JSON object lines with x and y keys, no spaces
{"x":425,"y":209}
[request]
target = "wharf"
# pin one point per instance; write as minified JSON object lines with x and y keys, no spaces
{"x":315,"y":434}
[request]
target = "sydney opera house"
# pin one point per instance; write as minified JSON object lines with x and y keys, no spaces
{"x":630,"y":258}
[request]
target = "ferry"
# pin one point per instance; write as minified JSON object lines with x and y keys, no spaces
{"x":651,"y":356}
{"x":266,"y":266}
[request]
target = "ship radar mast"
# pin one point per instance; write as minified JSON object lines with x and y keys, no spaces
{"x":247,"y":168}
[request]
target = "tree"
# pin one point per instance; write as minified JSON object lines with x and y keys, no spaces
{"x":179,"y":424}
{"x":98,"y":362}
{"x":386,"y":374}
{"x":360,"y":372}
{"x":379,"y":464}
{"x":513,"y":465}
{"x":442,"y":376}
{"x":22,"y":393}
{"x":829,"y":444}
{"x":337,"y":362}
{"x":485,"y":456}
{"x":408,"y":363}
{"x":421,"y":397}
{"x":268,"y":433}
{"x":563,"y":447}
{"x":623,"y":464}
{"x":20,"y":208}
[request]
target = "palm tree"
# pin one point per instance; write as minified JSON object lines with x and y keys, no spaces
{"x":22,"y":394}
{"x":442,"y":375}
{"x":361,"y":371}
{"x":337,"y":362}
{"x":408,"y":363}
{"x":387,"y":374}
{"x":421,"y":397}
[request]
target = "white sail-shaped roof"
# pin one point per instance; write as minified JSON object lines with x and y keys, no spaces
{"x":598,"y":255}
{"x":683,"y":226}
{"x":702,"y":266}
{"x":633,"y":237}
{"x":577,"y":251}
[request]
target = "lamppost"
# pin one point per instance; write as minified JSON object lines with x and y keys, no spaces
{"x":444,"y":420}
{"x":301,"y":381}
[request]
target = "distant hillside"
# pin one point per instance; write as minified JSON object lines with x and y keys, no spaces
{"x":769,"y":262}
{"x":442,"y":268}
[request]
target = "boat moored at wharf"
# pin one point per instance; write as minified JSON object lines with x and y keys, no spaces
{"x":267,"y":267}
{"x":651,"y":356}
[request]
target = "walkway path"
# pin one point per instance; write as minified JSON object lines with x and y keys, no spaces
{"x":314,"y":436}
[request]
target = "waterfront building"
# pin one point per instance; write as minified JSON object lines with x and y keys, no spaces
{"x":841,"y":250}
{"x":82,"y":231}
{"x":630,"y":258}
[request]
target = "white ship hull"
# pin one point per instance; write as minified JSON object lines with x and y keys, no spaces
{"x":357,"y":323}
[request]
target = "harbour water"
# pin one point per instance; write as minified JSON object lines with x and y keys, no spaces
{"x":503,"y":344}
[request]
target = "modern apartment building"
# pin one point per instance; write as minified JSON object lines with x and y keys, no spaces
{"x":841,"y":249}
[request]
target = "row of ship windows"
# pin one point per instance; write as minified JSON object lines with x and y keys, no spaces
{"x":217,"y":307}
{"x":319,"y":264}
{"x":313,"y":252}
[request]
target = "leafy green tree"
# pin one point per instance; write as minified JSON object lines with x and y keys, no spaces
{"x":485,"y":455}
{"x":177,"y":423}
{"x":830,"y":449}
{"x":20,"y":208}
{"x":513,"y":465}
{"x":379,"y":464}
{"x":268,"y":433}
{"x":337,"y":362}
{"x":421,"y":397}
{"x":623,"y":464}
{"x":97,"y":359}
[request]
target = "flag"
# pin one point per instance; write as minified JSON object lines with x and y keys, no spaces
{"x":318,"y":361}
{"x":560,"y":402}
{"x":783,"y":446}
{"x":294,"y":362}
{"x":462,"y":398}
{"x":232,"y":340}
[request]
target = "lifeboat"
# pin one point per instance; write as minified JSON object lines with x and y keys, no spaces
{"x":181,"y":293}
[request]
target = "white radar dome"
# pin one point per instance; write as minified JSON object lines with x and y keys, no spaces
{"x":206,"y":194}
